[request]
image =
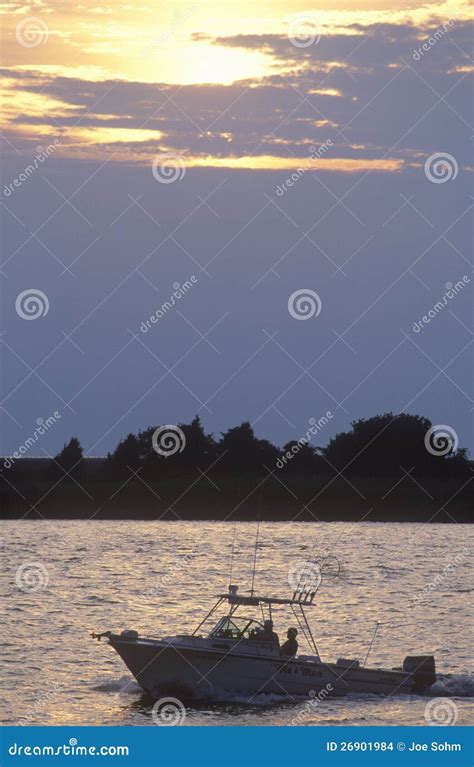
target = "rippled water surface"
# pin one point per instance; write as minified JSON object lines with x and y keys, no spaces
{"x":161,"y":577}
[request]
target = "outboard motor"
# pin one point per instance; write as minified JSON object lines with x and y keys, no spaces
{"x":423,"y":669}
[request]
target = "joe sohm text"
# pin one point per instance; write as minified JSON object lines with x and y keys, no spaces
{"x":348,"y":745}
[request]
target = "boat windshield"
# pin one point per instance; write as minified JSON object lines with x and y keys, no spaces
{"x":236,"y":628}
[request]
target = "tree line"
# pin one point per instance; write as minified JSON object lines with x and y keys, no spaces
{"x":379,"y":446}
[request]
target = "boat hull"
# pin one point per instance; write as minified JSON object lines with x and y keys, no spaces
{"x":194,"y":670}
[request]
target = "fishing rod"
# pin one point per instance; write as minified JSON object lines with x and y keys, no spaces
{"x":255,"y":555}
{"x":372,"y":642}
{"x":232,"y":556}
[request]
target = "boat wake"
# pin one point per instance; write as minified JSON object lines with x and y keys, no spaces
{"x":447,"y":685}
{"x":262,"y":699}
{"x":453,"y":685}
{"x":125,"y":685}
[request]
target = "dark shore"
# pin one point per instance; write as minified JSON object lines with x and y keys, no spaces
{"x":387,"y":468}
{"x":194,"y":497}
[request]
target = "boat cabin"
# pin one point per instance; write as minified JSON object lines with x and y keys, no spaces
{"x":237,"y":628}
{"x":241,"y":627}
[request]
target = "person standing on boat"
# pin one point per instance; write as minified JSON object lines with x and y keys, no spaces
{"x":290,"y":647}
{"x":267,"y":634}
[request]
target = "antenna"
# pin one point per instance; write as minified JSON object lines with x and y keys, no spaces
{"x":373,"y":640}
{"x":255,"y":555}
{"x":232,"y":556}
{"x":301,"y":586}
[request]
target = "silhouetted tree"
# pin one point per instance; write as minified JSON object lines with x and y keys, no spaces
{"x":70,"y":460}
{"x":145,"y":445}
{"x":195,"y":449}
{"x":384,"y":443}
{"x":125,"y":457}
{"x":200,"y":449}
{"x":243,"y":451}
{"x":303,"y":459}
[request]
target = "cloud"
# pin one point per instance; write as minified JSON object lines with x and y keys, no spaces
{"x":364,"y":46}
{"x":366,"y":90}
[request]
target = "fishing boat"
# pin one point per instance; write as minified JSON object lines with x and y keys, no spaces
{"x":241,"y":656}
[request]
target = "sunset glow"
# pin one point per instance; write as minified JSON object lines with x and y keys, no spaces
{"x":65,"y":68}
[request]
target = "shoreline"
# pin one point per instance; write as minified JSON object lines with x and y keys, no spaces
{"x":195,"y":498}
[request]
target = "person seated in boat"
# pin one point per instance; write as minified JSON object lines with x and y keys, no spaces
{"x":267,"y":634}
{"x":290,"y":647}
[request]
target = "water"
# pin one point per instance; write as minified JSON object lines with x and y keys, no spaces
{"x":161,"y":577}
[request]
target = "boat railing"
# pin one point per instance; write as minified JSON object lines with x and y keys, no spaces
{"x":259,"y":647}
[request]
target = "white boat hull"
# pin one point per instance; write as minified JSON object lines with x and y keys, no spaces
{"x":199,"y":668}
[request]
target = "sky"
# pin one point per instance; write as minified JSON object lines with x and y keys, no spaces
{"x":297,"y":176}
